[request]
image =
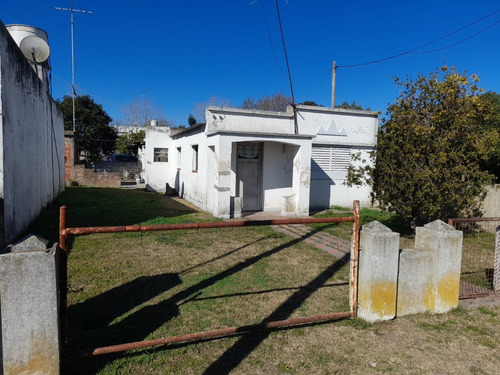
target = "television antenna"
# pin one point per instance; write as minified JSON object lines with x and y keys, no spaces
{"x":72,"y":10}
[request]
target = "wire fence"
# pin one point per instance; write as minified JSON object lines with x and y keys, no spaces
{"x":480,"y":275}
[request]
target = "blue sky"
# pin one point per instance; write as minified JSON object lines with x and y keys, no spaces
{"x":179,"y":53}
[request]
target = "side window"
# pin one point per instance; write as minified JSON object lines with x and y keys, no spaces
{"x":195,"y":158}
{"x":160,"y":154}
{"x":179,"y":158}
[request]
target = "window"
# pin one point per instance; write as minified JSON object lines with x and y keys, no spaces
{"x":329,"y":162}
{"x":195,"y":158}
{"x":179,"y":158}
{"x":248,"y":151}
{"x":161,"y":154}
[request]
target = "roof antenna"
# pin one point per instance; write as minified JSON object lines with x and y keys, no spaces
{"x":72,"y":10}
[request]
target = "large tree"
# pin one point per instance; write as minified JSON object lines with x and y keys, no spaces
{"x":492,"y":164}
{"x":431,"y":146}
{"x":95,"y":135}
{"x":276,"y":102}
{"x":128,"y":143}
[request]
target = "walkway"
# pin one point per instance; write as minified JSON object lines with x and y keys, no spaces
{"x":333,"y":245}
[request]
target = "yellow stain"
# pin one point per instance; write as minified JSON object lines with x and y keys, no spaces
{"x":430,"y":297}
{"x":447,"y":290}
{"x":383,"y":298}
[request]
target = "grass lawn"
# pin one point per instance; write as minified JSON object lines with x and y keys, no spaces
{"x":131,"y":287}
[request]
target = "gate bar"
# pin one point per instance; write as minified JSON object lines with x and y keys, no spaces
{"x":204,"y":225}
{"x":209,"y":334}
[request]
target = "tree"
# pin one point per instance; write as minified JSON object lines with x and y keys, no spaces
{"x":200,"y":107}
{"x":192,"y":120}
{"x":430,"y":149}
{"x":353,"y":105}
{"x":492,"y":165}
{"x":140,"y":112}
{"x":311,"y":103}
{"x":95,"y":136}
{"x":276,"y":102}
{"x":127,"y":143}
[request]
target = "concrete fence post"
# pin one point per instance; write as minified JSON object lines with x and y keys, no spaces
{"x":29,"y":310}
{"x":496,"y":265}
{"x":378,"y":272}
{"x":445,"y":244}
{"x":416,"y":293}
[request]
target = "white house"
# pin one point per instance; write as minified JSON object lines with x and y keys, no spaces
{"x":246,"y":160}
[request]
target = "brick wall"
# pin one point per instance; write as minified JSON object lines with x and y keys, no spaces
{"x":87,"y":177}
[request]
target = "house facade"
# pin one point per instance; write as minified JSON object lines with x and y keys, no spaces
{"x":246,"y":160}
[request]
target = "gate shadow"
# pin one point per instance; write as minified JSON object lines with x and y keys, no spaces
{"x":138,"y":325}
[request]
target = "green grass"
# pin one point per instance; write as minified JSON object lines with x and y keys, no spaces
{"x":131,"y":286}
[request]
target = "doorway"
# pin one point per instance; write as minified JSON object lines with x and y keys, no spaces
{"x":249,"y":175}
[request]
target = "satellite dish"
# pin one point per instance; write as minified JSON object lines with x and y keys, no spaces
{"x":35,"y":49}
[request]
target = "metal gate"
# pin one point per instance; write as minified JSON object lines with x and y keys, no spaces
{"x":65,"y":232}
{"x":480,"y":274}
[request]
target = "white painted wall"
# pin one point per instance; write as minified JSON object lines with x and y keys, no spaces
{"x":31,"y":141}
{"x":286,"y":156}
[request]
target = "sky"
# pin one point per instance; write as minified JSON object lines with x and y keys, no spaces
{"x":180,"y":54}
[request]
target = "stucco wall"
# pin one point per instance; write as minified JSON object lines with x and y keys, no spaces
{"x":32,"y":141}
{"x":491,"y":204}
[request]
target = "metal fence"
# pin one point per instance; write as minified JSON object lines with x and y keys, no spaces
{"x":480,"y":274}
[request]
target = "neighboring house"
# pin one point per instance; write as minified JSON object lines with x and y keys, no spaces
{"x":246,"y":160}
{"x":31,"y":137}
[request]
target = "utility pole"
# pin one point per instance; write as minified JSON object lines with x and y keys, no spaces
{"x":334,"y":73}
{"x":72,"y":10}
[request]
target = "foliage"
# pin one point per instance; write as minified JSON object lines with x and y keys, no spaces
{"x":95,"y":135}
{"x":125,"y":141}
{"x":311,"y":102}
{"x":276,"y":103}
{"x":353,"y":105}
{"x":492,"y":165}
{"x":192,"y":120}
{"x":430,"y":149}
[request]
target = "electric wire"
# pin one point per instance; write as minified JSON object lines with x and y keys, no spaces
{"x":286,"y":55}
{"x":427,"y":44}
{"x":269,"y":34}
{"x":457,"y":43}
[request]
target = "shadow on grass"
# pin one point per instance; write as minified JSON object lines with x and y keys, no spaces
{"x":138,"y":325}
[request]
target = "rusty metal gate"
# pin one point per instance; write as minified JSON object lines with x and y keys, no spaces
{"x":480,"y":274}
{"x":65,"y":232}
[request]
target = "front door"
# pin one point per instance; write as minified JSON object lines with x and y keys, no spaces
{"x":249,"y":175}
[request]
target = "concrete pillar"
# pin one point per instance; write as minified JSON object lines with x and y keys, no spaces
{"x":416,"y":293}
{"x":223,"y":180}
{"x":301,"y":180}
{"x":29,"y":311}
{"x":496,"y":265}
{"x":445,"y":243}
{"x":378,"y":272}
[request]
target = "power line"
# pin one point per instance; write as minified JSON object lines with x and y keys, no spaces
{"x":457,"y":43}
{"x":427,"y":44}
{"x":286,"y":55}
{"x":269,"y":34}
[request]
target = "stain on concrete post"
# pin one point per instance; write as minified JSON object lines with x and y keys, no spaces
{"x":416,"y":293}
{"x":30,"y":329}
{"x":378,"y":272}
{"x":445,"y":244}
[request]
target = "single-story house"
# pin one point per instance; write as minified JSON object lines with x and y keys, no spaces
{"x":244,"y":160}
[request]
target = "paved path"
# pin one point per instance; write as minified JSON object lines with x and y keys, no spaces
{"x":333,"y":245}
